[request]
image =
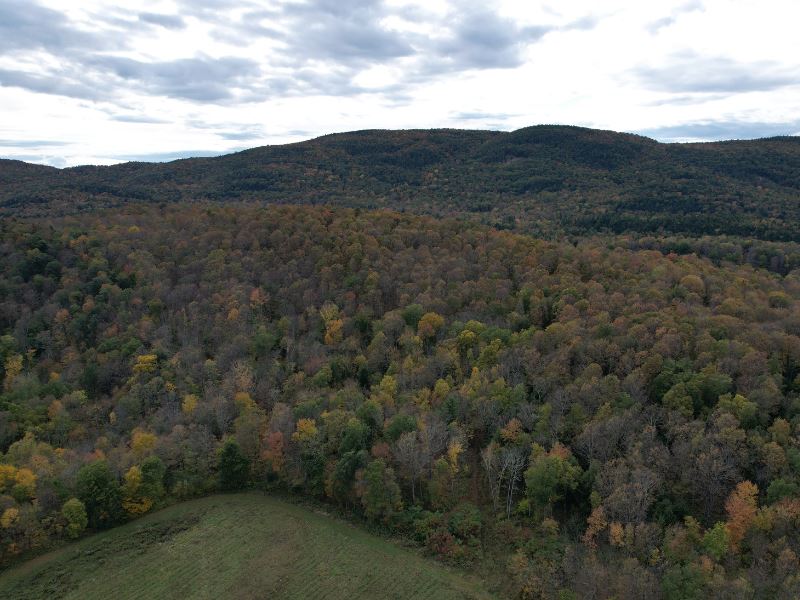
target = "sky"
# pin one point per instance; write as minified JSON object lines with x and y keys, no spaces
{"x":101,"y":82}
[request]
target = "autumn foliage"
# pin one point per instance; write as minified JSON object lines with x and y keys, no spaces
{"x":597,"y":416}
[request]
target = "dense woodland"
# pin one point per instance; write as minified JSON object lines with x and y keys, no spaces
{"x":613,"y":416}
{"x":545,"y":180}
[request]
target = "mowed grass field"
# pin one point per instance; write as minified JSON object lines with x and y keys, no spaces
{"x":235,"y":546}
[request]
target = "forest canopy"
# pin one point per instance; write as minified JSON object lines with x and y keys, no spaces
{"x":616,"y":419}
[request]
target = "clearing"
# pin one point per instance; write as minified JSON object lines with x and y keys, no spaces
{"x":235,"y":546}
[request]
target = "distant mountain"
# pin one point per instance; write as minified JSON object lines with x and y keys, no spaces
{"x":546,"y":180}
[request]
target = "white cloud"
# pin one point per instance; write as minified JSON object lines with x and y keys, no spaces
{"x":99,"y":80}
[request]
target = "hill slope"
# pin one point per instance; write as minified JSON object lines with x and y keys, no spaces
{"x":580,"y":416}
{"x":241,"y":546}
{"x":544,"y":179}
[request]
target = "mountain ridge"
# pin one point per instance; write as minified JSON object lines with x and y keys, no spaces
{"x":544,"y":179}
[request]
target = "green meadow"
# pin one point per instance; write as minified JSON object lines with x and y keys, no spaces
{"x":235,"y":546}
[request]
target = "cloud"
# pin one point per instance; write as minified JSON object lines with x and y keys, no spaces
{"x":343,"y":31}
{"x":101,"y":77}
{"x":166,"y":21}
{"x":323,"y":45}
{"x":30,"y":143}
{"x":481,"y":40}
{"x":65,"y":83}
{"x":138,"y":119}
{"x":41,"y":159}
{"x":202,"y":79}
{"x":229,"y":131}
{"x":480,"y":116}
{"x":318,"y":47}
{"x":26,"y":26}
{"x":721,"y":130}
{"x":689,"y":72}
{"x":586,"y":23}
{"x":695,"y":99}
{"x":169,"y":156}
{"x":664,"y":22}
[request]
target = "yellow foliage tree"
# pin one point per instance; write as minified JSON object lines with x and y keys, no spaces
{"x":142,"y":443}
{"x":429,"y":325}
{"x":189,"y":404}
{"x":244,"y":402}
{"x":8,"y":474}
{"x":440,"y":390}
{"x":13,"y":367}
{"x":9,"y":518}
{"x":146,"y":363}
{"x":306,"y":430}
{"x":25,"y":483}
{"x":454,"y":450}
{"x":616,"y":534}
{"x":511,"y":432}
{"x":329,"y":312}
{"x":694,"y":284}
{"x":134,"y":503}
{"x":333,"y":332}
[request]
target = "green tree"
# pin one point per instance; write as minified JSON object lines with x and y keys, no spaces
{"x":152,"y":485}
{"x":683,"y":582}
{"x":381,"y":497}
{"x":344,"y":473}
{"x":550,"y":476}
{"x":412,"y":314}
{"x":233,"y":467}
{"x":98,"y":488}
{"x":75,"y":514}
{"x":716,"y":540}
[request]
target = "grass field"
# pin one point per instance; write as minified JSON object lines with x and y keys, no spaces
{"x":234,"y":546}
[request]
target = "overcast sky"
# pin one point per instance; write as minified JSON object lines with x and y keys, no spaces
{"x":103,"y":82}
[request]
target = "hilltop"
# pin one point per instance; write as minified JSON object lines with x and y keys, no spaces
{"x":546,"y":180}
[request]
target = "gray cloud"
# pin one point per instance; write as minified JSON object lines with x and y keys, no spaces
{"x":229,"y":131}
{"x":65,"y":83}
{"x":30,"y":143}
{"x":586,"y":23}
{"x":721,"y":130}
{"x":687,"y":99}
{"x":689,"y":7}
{"x":201,"y":79}
{"x":166,"y":21}
{"x":87,"y":72}
{"x":342,"y":30}
{"x":169,"y":156}
{"x":41,"y":159}
{"x":480,"y":116}
{"x":137,"y":119}
{"x":485,"y":40}
{"x":26,"y":26}
{"x":689,"y":72}
{"x":238,"y":136}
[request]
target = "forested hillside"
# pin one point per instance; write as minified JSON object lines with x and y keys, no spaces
{"x":546,"y":180}
{"x":595,"y":420}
